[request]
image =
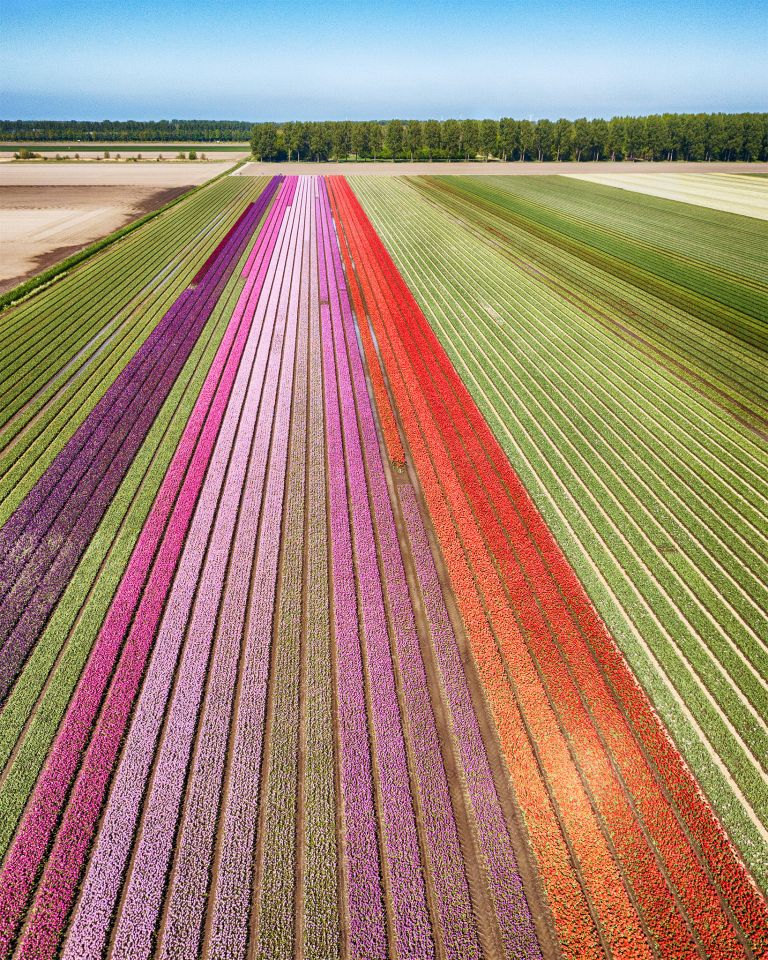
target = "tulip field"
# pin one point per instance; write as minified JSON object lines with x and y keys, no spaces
{"x":383,"y":575}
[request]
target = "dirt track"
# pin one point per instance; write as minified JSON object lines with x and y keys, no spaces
{"x":388,"y":169}
{"x":87,"y":173}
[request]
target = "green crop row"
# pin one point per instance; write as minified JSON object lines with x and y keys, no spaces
{"x":655,"y":496}
{"x":33,"y":711}
{"x":700,"y":287}
{"x":31,"y":441}
{"x":724,"y":367}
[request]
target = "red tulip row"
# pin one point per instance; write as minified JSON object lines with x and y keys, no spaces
{"x":607,"y":799}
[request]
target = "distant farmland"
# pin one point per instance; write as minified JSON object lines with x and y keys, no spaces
{"x":383,"y":574}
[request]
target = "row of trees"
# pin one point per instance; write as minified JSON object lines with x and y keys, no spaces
{"x":669,"y":136}
{"x":111,"y":131}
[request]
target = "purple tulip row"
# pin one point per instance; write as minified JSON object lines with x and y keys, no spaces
{"x":412,"y":928}
{"x":174,"y":682}
{"x":512,"y":910}
{"x":43,"y":541}
{"x":442,"y":841}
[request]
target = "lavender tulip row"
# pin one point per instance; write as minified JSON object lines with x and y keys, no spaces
{"x":443,"y":846}
{"x":364,"y":905}
{"x":512,"y":910}
{"x":255,"y":389}
{"x":412,"y":928}
{"x":43,"y":541}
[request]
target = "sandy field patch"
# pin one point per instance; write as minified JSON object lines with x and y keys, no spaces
{"x":388,"y":169}
{"x":731,"y":192}
{"x":48,"y":211}
{"x":38,"y":173}
{"x":41,"y":225}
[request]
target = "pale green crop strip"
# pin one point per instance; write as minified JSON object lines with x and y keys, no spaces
{"x":687,"y":338}
{"x":711,"y":353}
{"x":726,"y":243}
{"x":715,"y":238}
{"x":68,"y":638}
{"x":660,"y":606}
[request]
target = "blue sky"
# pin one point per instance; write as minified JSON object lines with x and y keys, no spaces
{"x":152,"y":59}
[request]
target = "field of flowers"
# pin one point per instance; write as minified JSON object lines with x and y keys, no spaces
{"x":294,"y":661}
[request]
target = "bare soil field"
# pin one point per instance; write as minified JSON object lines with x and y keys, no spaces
{"x":50,"y":211}
{"x":389,"y":169}
{"x":37,"y":173}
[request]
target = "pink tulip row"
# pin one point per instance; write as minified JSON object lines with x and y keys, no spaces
{"x":178,"y":491}
{"x":104,"y":879}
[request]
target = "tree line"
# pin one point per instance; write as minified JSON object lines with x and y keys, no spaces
{"x":114,"y":131}
{"x":669,"y":136}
